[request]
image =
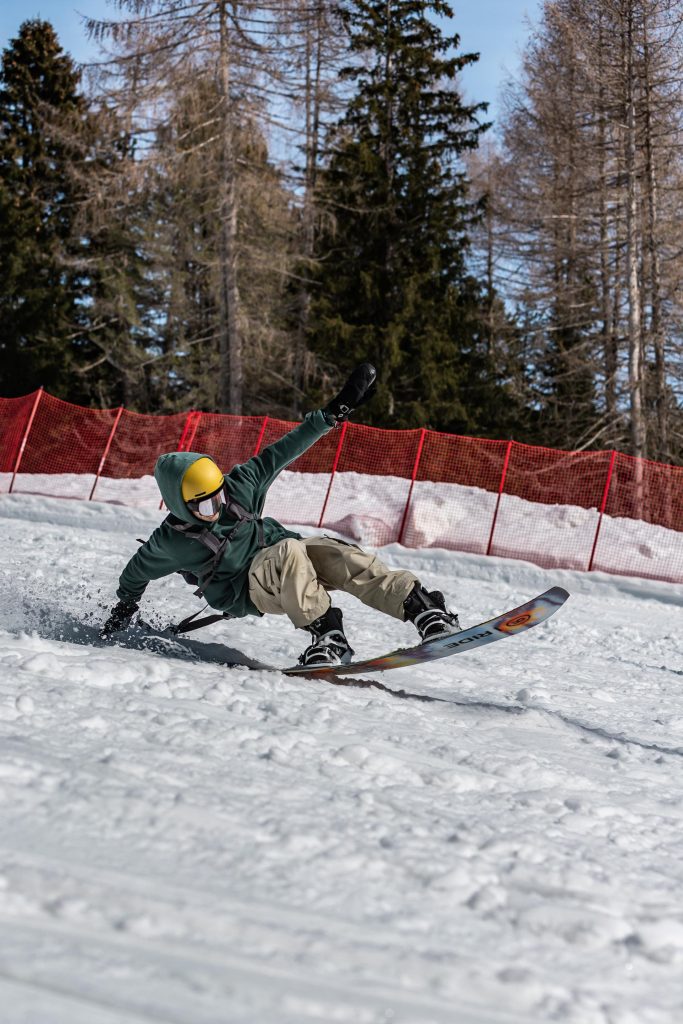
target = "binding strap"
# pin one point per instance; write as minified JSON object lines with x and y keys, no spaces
{"x":188,"y":624}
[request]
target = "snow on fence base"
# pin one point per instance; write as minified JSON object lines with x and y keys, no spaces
{"x":578,"y":510}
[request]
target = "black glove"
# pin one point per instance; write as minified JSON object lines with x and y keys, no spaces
{"x":359,"y":388}
{"x":119,"y":618}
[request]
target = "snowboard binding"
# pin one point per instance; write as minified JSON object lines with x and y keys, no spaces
{"x":428,"y":613}
{"x":330,"y":646}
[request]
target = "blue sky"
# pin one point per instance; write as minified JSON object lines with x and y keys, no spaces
{"x":497,"y":29}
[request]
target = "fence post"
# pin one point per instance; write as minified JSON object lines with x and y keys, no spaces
{"x":260,"y":437}
{"x":191,"y":434}
{"x":404,"y":521}
{"x":189,"y":422}
{"x":603,"y":506}
{"x":500,"y":494}
{"x":20,"y":453}
{"x":186,"y":438}
{"x":106,"y":451}
{"x":334,"y":470}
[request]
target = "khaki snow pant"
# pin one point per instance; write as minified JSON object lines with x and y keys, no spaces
{"x":293,"y":578}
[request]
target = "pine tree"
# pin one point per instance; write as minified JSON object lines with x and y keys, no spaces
{"x":393,"y":284}
{"x":39,"y":288}
{"x":114,"y":229}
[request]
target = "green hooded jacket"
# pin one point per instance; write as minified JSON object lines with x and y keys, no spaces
{"x":168,"y":551}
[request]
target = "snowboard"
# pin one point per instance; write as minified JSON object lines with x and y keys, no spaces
{"x":508,"y":624}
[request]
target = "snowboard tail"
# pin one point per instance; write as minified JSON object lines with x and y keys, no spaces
{"x":508,"y":624}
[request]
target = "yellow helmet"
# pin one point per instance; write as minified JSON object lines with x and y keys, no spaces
{"x":201,"y":478}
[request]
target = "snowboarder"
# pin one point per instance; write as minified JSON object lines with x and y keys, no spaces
{"x":246,"y":565}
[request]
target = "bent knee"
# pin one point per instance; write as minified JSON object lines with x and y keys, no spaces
{"x":292,"y":547}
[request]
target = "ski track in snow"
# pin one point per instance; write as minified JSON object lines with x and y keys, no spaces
{"x":186,"y":843}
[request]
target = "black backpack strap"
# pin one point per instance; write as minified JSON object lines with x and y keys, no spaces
{"x":238,"y":512}
{"x":216,"y":545}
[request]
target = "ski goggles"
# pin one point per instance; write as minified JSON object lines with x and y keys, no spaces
{"x":209,"y":505}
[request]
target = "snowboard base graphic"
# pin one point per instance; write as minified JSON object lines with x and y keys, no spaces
{"x":508,"y":624}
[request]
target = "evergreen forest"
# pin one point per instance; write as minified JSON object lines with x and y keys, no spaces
{"x":237,"y":202}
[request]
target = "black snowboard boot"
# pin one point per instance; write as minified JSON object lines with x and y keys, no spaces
{"x":330,"y":646}
{"x":428,"y":612}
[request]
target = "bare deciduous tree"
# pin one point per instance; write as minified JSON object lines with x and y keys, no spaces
{"x":233,"y":69}
{"x":589,"y":200}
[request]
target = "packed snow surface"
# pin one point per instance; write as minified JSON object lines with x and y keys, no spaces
{"x":187,"y":843}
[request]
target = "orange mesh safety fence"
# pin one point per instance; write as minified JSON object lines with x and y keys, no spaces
{"x":643,"y":492}
{"x":14,"y":417}
{"x":139,"y":441}
{"x":579,"y":510}
{"x":228,"y":439}
{"x":454,"y":500}
{"x":368,"y":495}
{"x":64,"y":440}
{"x":564,"y":535}
{"x":300,"y":499}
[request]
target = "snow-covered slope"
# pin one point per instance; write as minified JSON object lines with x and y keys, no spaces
{"x":190,"y":844}
{"x":370,"y":510}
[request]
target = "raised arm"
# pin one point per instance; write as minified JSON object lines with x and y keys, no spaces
{"x":262,"y":469}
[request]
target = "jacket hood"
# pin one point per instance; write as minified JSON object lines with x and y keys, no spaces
{"x":168,"y":473}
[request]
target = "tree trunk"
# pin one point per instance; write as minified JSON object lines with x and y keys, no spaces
{"x":231,"y":370}
{"x":655,"y":277}
{"x":314,"y":37}
{"x":638,"y":435}
{"x":609,"y":343}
